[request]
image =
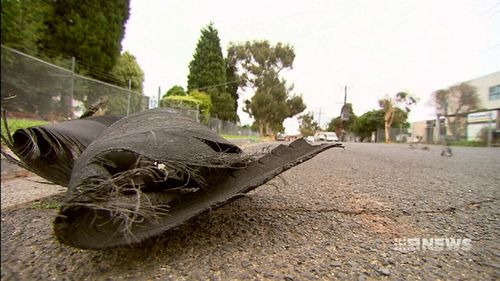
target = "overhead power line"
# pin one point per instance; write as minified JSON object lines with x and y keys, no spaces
{"x":217,"y":85}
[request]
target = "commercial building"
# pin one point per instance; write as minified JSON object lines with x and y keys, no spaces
{"x":488,"y":89}
{"x":485,"y":122}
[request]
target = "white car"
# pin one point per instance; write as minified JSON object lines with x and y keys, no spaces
{"x":280,"y":137}
{"x":331,"y":136}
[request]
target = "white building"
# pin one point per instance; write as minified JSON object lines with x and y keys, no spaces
{"x":488,"y":89}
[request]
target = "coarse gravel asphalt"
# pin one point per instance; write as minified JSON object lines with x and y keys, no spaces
{"x":342,"y":215}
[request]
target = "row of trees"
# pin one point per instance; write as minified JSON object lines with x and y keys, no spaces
{"x":452,"y":103}
{"x":254,"y":66}
{"x":91,"y":32}
{"x":257,"y":66}
{"x":389,"y":115}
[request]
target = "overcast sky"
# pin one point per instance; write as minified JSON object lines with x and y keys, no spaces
{"x":374,"y":47}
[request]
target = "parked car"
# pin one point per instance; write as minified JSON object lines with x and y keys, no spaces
{"x":331,"y":136}
{"x":319,"y":137}
{"x":310,"y":138}
{"x":402,"y":138}
{"x":280,"y":137}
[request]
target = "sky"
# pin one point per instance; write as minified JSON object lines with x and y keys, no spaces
{"x":375,"y":48}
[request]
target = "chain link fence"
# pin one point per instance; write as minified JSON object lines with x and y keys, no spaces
{"x":222,"y":127}
{"x":399,"y":135}
{"x":37,"y":90}
{"x":34,"y":89}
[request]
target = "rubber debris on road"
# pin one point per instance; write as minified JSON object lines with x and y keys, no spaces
{"x":154,"y":170}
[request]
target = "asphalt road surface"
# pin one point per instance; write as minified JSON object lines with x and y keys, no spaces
{"x":369,"y":211}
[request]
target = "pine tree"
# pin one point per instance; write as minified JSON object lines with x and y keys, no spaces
{"x":207,"y":72}
{"x":127,"y":68}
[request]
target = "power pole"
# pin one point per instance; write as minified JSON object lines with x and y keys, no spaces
{"x":319,"y":117}
{"x":344,"y":115}
{"x":345,"y":94}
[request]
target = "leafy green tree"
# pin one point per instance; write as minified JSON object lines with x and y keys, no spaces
{"x":250,"y":127}
{"x":196,"y":100}
{"x":368,"y":123}
{"x":91,"y":31}
{"x":187,"y":102}
{"x":207,"y":72}
{"x":371,"y":121}
{"x":205,"y":105}
{"x":334,"y":125}
{"x":454,"y":102}
{"x":307,"y":125}
{"x":260,"y":65}
{"x":127,"y":68}
{"x":400,"y":119}
{"x":222,"y":105}
{"x":389,"y":105}
{"x":176,"y":91}
{"x":271,"y":108}
{"x":23,"y":24}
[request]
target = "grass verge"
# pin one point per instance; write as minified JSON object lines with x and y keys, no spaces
{"x":467,"y":143}
{"x":54,"y":205}
{"x":15,"y":124}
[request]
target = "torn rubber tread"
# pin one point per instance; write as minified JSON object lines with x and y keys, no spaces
{"x":50,"y":150}
{"x":96,"y":231}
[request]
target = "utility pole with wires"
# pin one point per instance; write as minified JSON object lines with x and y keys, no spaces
{"x":319,"y":117}
{"x":344,"y":115}
{"x":344,"y":112}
